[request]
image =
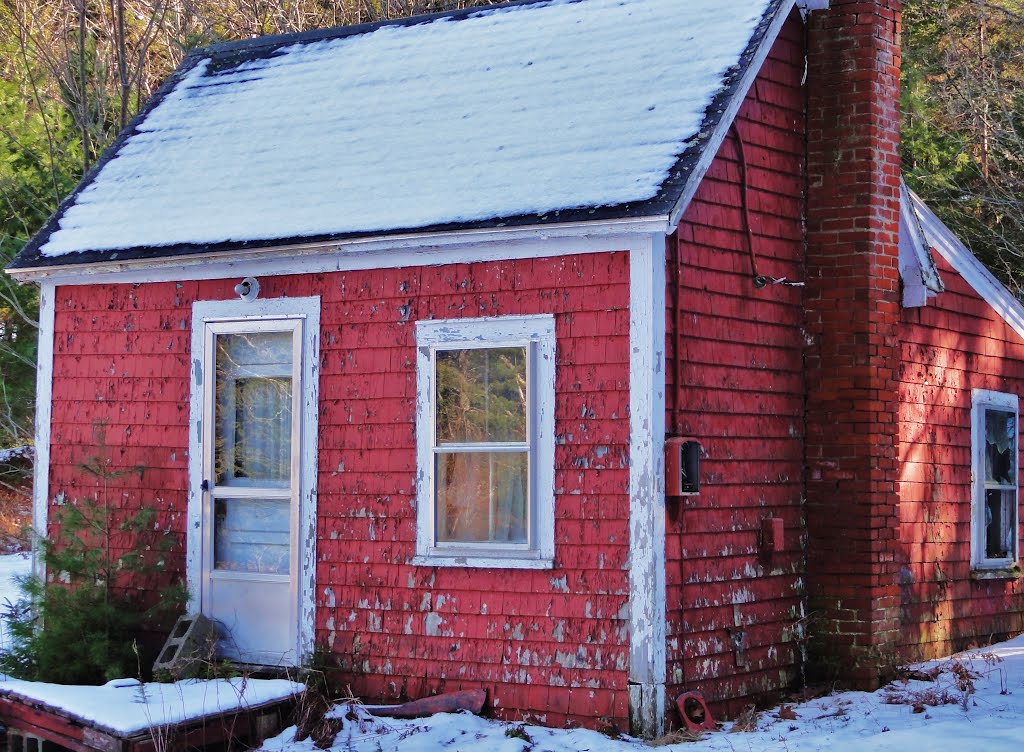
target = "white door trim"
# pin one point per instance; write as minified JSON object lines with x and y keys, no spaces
{"x":308,"y":310}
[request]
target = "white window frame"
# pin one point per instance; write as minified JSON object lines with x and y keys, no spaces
{"x":537,"y":335}
{"x":983,"y":400}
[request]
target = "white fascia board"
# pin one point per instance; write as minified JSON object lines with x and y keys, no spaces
{"x":944,"y":242}
{"x":806,"y":6}
{"x":44,"y":412}
{"x":710,"y":150}
{"x":383,"y":252}
{"x":647,"y":614}
{"x":921,"y":279}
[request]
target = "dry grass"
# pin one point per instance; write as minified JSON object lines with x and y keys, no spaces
{"x":952,"y":682}
{"x":676,"y":737}
{"x":746,"y":721}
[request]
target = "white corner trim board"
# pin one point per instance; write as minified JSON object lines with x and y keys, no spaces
{"x":647,"y":625}
{"x":44,"y":413}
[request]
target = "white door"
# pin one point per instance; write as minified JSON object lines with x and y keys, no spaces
{"x":250,"y":494}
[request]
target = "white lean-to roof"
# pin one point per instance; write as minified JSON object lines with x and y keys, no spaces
{"x":506,"y":112}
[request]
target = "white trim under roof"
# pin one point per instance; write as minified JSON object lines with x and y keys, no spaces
{"x":944,"y":242}
{"x":383,"y":252}
{"x":739,"y":95}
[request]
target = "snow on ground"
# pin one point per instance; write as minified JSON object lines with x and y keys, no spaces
{"x":12,"y":567}
{"x":899,"y":718}
{"x":982,"y":710}
{"x":126,"y":705}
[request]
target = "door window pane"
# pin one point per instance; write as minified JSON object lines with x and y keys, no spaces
{"x":481,"y":395}
{"x":252,"y":535}
{"x":482,"y":497}
{"x":254,"y":409}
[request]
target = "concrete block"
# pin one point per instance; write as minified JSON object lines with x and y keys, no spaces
{"x":193,"y":639}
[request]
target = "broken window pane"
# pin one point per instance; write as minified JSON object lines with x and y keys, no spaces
{"x":1000,"y":523}
{"x":481,"y":395}
{"x":1000,"y":447}
{"x":482,"y":497}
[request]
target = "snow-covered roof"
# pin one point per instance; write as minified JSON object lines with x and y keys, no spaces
{"x":532,"y":112}
{"x":16,"y":453}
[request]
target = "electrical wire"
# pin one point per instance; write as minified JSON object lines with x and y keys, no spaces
{"x":760,"y":280}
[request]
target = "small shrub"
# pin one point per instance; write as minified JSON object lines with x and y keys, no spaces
{"x":79,"y":626}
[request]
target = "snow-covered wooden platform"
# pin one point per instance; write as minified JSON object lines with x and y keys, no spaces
{"x":128,"y":716}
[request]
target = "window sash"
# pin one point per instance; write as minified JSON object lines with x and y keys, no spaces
{"x":987,"y":542}
{"x":439,"y":448}
{"x":535,"y":335}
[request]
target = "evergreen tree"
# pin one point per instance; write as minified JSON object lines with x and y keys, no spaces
{"x":963,"y":130}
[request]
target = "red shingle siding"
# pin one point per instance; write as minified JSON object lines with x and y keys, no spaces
{"x":732,"y":609}
{"x":549,"y":643}
{"x":953,"y":345}
{"x":852,"y":355}
{"x":120,"y":394}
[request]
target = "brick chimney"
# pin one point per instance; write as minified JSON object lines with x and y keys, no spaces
{"x":852,"y":313}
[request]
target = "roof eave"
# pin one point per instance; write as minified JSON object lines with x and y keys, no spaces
{"x":650,"y":224}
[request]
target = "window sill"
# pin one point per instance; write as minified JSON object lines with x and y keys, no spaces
{"x":998,"y":573}
{"x":481,"y":561}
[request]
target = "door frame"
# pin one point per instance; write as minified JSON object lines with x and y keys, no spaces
{"x":306,"y":310}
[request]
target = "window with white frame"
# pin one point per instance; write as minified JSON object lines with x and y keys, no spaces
{"x":485,"y":441}
{"x":994,"y":470}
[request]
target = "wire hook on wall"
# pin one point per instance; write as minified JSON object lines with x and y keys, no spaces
{"x":760,"y":280}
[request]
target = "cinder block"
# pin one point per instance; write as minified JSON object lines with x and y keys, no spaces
{"x":193,"y":638}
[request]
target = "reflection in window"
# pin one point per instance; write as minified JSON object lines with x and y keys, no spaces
{"x":254,"y":409}
{"x":481,"y":496}
{"x":481,"y":446}
{"x":252,"y":535}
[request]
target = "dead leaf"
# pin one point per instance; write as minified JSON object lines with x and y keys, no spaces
{"x":786,"y":713}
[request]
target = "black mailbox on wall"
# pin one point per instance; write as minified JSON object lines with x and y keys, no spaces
{"x":682,"y":467}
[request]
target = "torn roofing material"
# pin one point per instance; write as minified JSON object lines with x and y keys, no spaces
{"x":528,"y":113}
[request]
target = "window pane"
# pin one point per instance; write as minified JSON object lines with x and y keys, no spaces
{"x":1001,"y":447}
{"x":1000,"y":523}
{"x":254,"y":409}
{"x":482,"y":497}
{"x":252,"y":535}
{"x":481,"y":395}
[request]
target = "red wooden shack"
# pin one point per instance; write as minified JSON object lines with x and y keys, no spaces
{"x":420,"y":328}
